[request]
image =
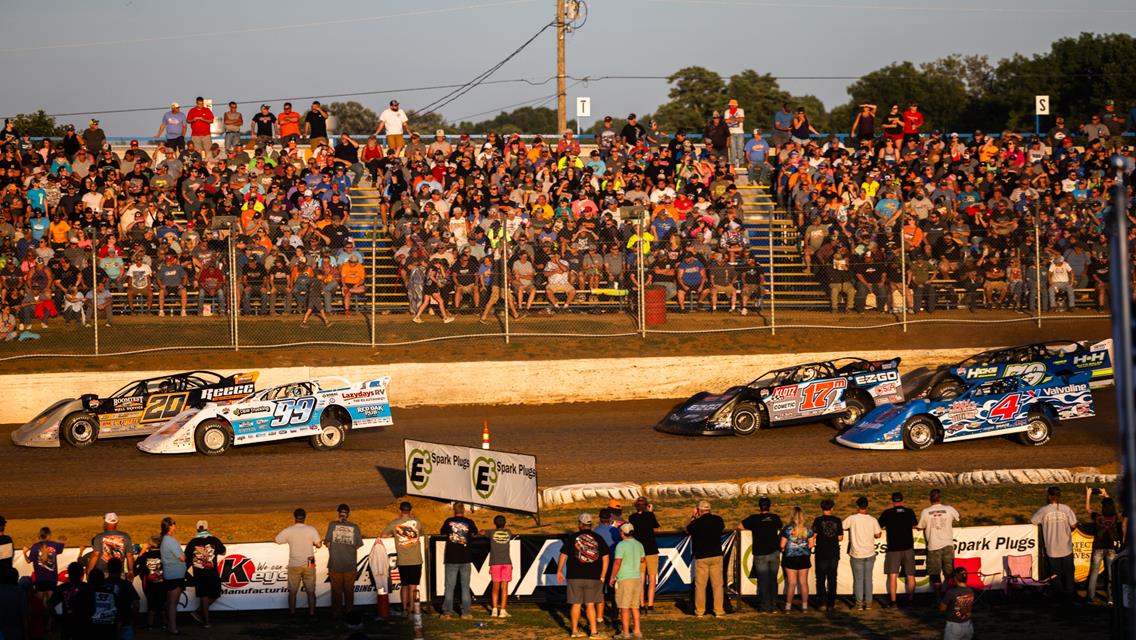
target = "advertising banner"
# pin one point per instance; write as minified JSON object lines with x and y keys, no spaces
{"x":475,"y":476}
{"x":255,"y":576}
{"x":991,"y":545}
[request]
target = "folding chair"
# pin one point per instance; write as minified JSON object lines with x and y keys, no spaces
{"x":1019,"y":575}
{"x":975,"y":579}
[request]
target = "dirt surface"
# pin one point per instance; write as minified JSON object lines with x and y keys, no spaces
{"x":533,"y":338}
{"x":572,"y":442}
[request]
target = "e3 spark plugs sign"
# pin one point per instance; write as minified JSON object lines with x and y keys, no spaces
{"x":475,"y":476}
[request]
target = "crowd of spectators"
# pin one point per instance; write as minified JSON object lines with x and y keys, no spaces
{"x":971,"y":215}
{"x":981,"y":221}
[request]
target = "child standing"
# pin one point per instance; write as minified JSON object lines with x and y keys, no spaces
{"x":500,"y":566}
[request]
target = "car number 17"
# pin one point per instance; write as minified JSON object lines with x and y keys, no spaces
{"x":293,"y":411}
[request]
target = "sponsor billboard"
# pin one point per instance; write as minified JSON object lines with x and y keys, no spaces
{"x":475,"y":476}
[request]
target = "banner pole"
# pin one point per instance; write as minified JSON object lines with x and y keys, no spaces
{"x":1037,"y":270}
{"x":505,"y":277}
{"x":641,"y":275}
{"x":772,"y":295}
{"x":903,"y":274}
{"x":374,"y":274}
{"x":234,"y":297}
{"x":95,"y":291}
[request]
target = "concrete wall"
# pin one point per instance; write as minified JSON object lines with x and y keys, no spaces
{"x":463,"y":383}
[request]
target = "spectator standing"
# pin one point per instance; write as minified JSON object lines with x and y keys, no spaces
{"x":200,"y":119}
{"x":315,"y":125}
{"x":782,"y":119}
{"x":148,"y":568}
{"x":125,"y":599}
{"x":633,"y":133}
{"x":15,"y":606}
{"x":829,"y":533}
{"x":102,"y":623}
{"x":406,"y":531}
{"x":459,"y":531}
{"x":94,"y":138}
{"x":735,"y":121}
{"x":343,"y":540}
{"x":705,"y":529}
{"x":937,"y":523}
{"x":43,"y":556}
{"x":394,"y":121}
{"x":302,"y":540}
{"x":1057,"y":522}
{"x":627,"y":579}
{"x":898,"y":522}
{"x":766,"y":529}
{"x":1108,"y":532}
{"x":645,"y":525}
{"x":958,"y":604}
{"x":583,"y":562}
{"x":797,"y":542}
{"x":111,"y":543}
{"x":173,"y":126}
{"x":912,"y":121}
{"x":864,"y":126}
{"x":232,"y":122}
{"x":288,"y":125}
{"x":863,"y":530}
{"x":500,"y":566}
{"x":203,"y":554}
{"x":7,"y":546}
{"x":716,"y":135}
{"x":72,"y":599}
{"x":756,"y":155}
{"x":173,"y":571}
{"x":264,"y":126}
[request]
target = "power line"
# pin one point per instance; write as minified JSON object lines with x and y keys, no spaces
{"x":938,"y":8}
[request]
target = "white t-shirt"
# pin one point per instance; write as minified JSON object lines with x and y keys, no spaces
{"x":557,"y":272}
{"x":393,"y":121}
{"x":1060,"y":273}
{"x":862,"y":531}
{"x":301,"y":540}
{"x":1056,"y":522}
{"x":139,"y":275}
{"x":739,"y":126}
{"x":937,"y":522}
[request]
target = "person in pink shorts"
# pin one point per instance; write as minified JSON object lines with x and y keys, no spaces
{"x":500,"y":565}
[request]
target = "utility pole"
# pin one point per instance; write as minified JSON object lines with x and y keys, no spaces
{"x":561,"y":90}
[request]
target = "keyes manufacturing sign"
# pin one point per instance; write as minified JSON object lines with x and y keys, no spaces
{"x":475,"y":476}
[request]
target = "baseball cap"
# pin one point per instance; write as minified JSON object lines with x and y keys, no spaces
{"x":404,"y":506}
{"x":111,"y":518}
{"x":641,"y":500}
{"x":440,"y":132}
{"x":307,"y":192}
{"x":174,"y":105}
{"x":343,"y":508}
{"x":614,"y":504}
{"x":299,"y":514}
{"x":394,"y":103}
{"x":134,"y":143}
{"x":897,"y":496}
{"x":732,"y":103}
{"x":627,"y":528}
{"x":202,"y":525}
{"x":584,"y":518}
{"x":93,"y":121}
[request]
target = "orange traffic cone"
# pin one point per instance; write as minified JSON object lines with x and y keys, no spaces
{"x":485,"y":436}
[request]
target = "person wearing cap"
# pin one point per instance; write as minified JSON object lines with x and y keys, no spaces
{"x":111,"y":543}
{"x":716,"y":135}
{"x":173,"y":126}
{"x":863,"y":530}
{"x":756,"y":153}
{"x":1057,"y":522}
{"x":302,"y":540}
{"x":264,"y":126}
{"x":627,"y":579}
{"x":898,"y":522}
{"x":353,"y":276}
{"x":735,"y":122}
{"x":958,"y":605}
{"x":393,"y":120}
{"x":705,"y":529}
{"x":203,"y":554}
{"x":633,"y":133}
{"x":645,"y":525}
{"x":200,"y":119}
{"x":582,"y":563}
{"x":343,"y":540}
{"x":912,"y":121}
{"x":406,"y":530}
{"x":94,"y":138}
{"x":459,"y":531}
{"x":1061,"y":278}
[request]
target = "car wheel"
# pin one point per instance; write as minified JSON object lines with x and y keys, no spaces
{"x":947,"y":389}
{"x":213,"y":438}
{"x":1039,"y":428}
{"x":919,"y":433}
{"x":331,"y":436}
{"x":80,"y":429}
{"x":745,"y":418}
{"x":854,"y":409}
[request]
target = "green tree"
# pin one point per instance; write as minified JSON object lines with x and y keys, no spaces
{"x":942,"y":96}
{"x":696,"y":92}
{"x":759,"y":95}
{"x":524,"y":120}
{"x":37,"y":124}
{"x":426,"y":123}
{"x":353,"y":118}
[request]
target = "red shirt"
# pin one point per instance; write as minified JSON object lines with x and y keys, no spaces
{"x":289,"y":122}
{"x":199,"y":127}
{"x":912,"y":120}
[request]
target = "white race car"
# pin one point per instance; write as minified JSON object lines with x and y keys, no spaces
{"x":323,"y":410}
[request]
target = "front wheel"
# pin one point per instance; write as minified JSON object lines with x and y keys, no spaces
{"x":948,"y":388}
{"x":213,"y":438}
{"x":331,"y":436}
{"x":745,"y":419}
{"x":80,"y":429}
{"x":854,"y":409}
{"x":919,"y":433}
{"x":1038,"y":430}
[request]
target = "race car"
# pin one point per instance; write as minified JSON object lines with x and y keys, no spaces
{"x":322,"y":410}
{"x":984,"y":409}
{"x":843,"y":389}
{"x":137,"y":409}
{"x":1035,"y":363}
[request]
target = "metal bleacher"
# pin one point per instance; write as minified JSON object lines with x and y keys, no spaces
{"x":372,"y":237}
{"x":766,"y":226}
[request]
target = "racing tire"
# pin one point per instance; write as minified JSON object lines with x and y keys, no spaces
{"x":855,"y":408}
{"x":331,"y":436}
{"x":213,"y":438}
{"x":80,"y":429}
{"x":948,"y":388}
{"x":919,"y":433}
{"x":746,"y":418}
{"x":1039,"y":428}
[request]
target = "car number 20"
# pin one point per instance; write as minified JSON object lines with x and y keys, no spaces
{"x":293,"y":411}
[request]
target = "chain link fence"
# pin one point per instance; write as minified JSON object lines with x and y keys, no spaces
{"x":221,"y":291}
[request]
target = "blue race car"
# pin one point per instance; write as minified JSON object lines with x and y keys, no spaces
{"x":1035,"y":363}
{"x":984,"y":409}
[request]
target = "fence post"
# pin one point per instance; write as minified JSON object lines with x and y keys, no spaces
{"x":374,"y":273}
{"x":903,"y":273}
{"x":772,"y":295}
{"x":234,"y":282}
{"x":1037,"y":270}
{"x":95,"y":290}
{"x":504,"y":244}
{"x":640,"y":276}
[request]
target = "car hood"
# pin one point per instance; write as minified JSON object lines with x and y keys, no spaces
{"x":43,"y":430}
{"x":703,"y":405}
{"x":883,"y":424}
{"x":176,"y":436}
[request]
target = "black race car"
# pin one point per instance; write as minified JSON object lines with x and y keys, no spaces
{"x":844,"y":389}
{"x":137,"y":409}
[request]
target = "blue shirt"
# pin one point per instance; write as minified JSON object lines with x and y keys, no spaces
{"x":39,"y":225}
{"x":36,"y":198}
{"x":691,"y":272}
{"x":886,"y":208}
{"x":662,"y":227}
{"x":173,"y":566}
{"x":784,"y":119}
{"x":795,"y":546}
{"x":174,"y":123}
{"x":756,"y":150}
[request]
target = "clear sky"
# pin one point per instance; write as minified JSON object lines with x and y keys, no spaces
{"x":82,"y":56}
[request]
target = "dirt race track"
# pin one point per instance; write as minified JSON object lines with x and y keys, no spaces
{"x":572,"y":442}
